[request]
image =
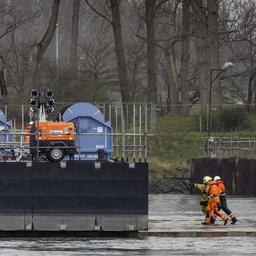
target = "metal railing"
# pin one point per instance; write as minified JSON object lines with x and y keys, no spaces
{"x":215,"y":146}
{"x":127,"y":146}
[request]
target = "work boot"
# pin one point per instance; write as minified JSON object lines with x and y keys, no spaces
{"x":234,"y":220}
{"x":225,"y":221}
{"x":206,"y":223}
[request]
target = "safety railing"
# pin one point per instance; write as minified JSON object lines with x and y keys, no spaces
{"x":214,"y":145}
{"x":126,"y":146}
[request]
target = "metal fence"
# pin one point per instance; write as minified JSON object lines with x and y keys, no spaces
{"x":132,"y":125}
{"x":230,"y":146}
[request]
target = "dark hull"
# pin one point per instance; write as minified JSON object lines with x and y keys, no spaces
{"x":73,"y":196}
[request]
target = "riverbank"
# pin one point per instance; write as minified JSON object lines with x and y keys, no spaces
{"x":168,"y":179}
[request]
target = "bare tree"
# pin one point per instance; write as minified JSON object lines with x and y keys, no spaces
{"x":120,"y":54}
{"x":150,"y":12}
{"x":3,"y":88}
{"x":37,"y":50}
{"x":238,"y":23}
{"x":74,"y":38}
{"x":185,"y":55}
{"x":119,"y":47}
{"x":202,"y":49}
{"x":11,"y":20}
{"x":173,"y":79}
{"x":213,"y":34}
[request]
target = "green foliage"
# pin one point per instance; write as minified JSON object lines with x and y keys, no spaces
{"x":175,"y":140}
{"x":224,"y":120}
{"x":176,"y":147}
{"x":170,"y":123}
{"x":233,"y":120}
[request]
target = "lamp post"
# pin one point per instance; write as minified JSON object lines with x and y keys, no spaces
{"x":212,"y":80}
{"x":57,"y":51}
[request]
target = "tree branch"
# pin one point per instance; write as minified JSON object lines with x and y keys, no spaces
{"x":16,"y":25}
{"x":97,"y":12}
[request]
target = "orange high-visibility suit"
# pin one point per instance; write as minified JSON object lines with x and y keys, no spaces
{"x":214,"y":203}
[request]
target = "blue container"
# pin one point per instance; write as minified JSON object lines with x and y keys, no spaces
{"x":93,"y":133}
{"x":5,"y":126}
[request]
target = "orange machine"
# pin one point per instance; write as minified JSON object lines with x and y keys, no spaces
{"x":54,"y":139}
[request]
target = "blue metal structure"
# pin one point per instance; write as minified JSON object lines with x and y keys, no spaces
{"x":5,"y":126}
{"x":93,"y":133}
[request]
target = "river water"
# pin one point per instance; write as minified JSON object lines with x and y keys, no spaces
{"x":166,"y":212}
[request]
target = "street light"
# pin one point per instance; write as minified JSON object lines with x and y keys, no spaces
{"x":57,"y":51}
{"x":212,"y":80}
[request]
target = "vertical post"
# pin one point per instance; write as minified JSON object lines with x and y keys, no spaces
{"x":104,"y":109}
{"x":14,"y":125}
{"x":110,"y":113}
{"x":116,"y":118}
{"x":127,"y":115}
{"x":116,"y":130}
{"x":134,"y":131}
{"x":140,"y":130}
{"x":6,"y":116}
{"x":22,"y":117}
{"x":5,"y":113}
{"x":57,"y":51}
{"x":145,"y":132}
{"x":153,"y":115}
{"x":210,"y":106}
{"x":22,"y":125}
{"x":123,"y":130}
{"x":200,"y":123}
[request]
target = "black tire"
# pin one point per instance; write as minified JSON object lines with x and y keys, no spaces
{"x":55,"y":154}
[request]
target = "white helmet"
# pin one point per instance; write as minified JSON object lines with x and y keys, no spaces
{"x":217,"y":178}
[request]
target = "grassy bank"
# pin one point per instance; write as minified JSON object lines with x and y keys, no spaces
{"x":177,"y":140}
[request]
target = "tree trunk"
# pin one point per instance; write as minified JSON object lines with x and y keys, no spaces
{"x":37,"y":50}
{"x":119,"y":49}
{"x":3,"y":87}
{"x":185,"y":57}
{"x":74,"y":39}
{"x":202,"y":49}
{"x":151,"y":50}
{"x":213,"y":29}
{"x":251,"y":93}
{"x":250,"y":89}
{"x":173,"y":80}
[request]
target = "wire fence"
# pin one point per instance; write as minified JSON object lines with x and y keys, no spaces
{"x":134,"y":124}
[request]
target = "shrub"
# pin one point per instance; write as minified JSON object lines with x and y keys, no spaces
{"x":224,"y":119}
{"x":232,"y":120}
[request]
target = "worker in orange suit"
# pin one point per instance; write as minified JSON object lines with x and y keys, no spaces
{"x":213,"y":202}
{"x":204,"y":202}
{"x":223,"y":200}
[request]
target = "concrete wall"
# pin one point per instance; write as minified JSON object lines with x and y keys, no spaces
{"x":239,"y":175}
